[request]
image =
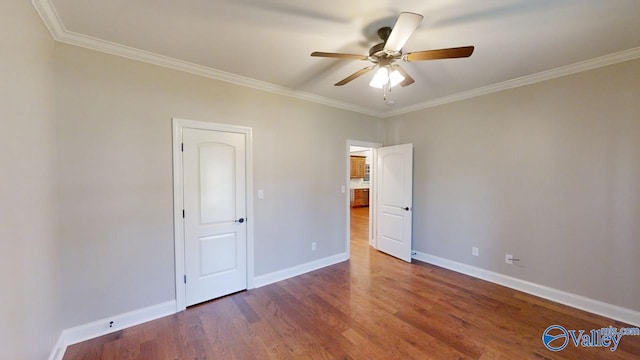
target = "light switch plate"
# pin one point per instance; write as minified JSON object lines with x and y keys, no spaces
{"x":260,"y":194}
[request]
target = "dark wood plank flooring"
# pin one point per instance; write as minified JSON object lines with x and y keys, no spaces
{"x":371,"y":307}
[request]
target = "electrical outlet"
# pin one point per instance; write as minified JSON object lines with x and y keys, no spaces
{"x":508,"y":258}
{"x":475,"y":251}
{"x":313,"y":246}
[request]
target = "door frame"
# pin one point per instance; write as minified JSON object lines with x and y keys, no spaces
{"x":178,"y":199}
{"x":372,"y":197}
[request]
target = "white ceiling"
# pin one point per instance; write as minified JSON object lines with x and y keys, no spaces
{"x":266,"y":43}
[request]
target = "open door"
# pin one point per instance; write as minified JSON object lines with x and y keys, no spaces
{"x":394,"y":194}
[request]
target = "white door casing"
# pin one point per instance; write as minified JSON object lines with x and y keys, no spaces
{"x":212,"y":180}
{"x":394,"y":205}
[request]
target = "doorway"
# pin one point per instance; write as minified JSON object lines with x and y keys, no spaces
{"x":360,"y":159}
{"x":390,"y":196}
{"x":360,"y":193}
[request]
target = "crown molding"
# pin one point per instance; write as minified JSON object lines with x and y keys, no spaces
{"x":52,"y":21}
{"x":50,"y":17}
{"x":54,"y":24}
{"x":586,"y":65}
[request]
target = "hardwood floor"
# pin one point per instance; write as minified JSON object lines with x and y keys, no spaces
{"x":359,"y":225}
{"x":371,"y":307}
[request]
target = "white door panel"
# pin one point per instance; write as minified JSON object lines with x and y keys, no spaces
{"x":210,"y":247}
{"x":217,"y":183}
{"x":395,"y":188}
{"x":214,"y":202}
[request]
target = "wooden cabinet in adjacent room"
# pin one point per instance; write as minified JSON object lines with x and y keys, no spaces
{"x":359,"y":197}
{"x":357,"y":166}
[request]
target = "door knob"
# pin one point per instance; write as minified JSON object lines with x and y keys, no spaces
{"x":406,"y":208}
{"x":241,"y":220}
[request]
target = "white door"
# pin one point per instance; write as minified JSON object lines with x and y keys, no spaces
{"x":215,"y":231}
{"x":395,"y":188}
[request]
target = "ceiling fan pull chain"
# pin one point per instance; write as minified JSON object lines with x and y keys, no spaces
{"x":388,"y":86}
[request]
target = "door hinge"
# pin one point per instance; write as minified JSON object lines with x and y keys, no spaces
{"x":181,"y":146}
{"x":185,"y":279}
{"x":183,"y":213}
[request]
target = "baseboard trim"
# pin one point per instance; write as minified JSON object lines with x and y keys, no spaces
{"x":615,"y":312}
{"x":284,"y":274}
{"x":58,"y":349}
{"x":101,"y":327}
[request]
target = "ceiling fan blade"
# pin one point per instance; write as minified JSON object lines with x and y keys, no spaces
{"x":408,"y":80}
{"x":354,"y":75}
{"x":339,"y":55}
{"x":450,"y":53}
{"x":403,"y":29}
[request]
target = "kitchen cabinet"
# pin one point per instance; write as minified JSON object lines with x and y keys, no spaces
{"x":357,"y":166}
{"x":359,"y":197}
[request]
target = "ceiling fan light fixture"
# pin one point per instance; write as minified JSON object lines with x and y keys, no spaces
{"x":395,"y":78}
{"x":380,"y":78}
{"x":383,"y":78}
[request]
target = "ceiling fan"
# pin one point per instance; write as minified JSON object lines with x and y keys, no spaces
{"x":384,"y":55}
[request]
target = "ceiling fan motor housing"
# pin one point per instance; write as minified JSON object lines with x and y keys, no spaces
{"x":376,"y":50}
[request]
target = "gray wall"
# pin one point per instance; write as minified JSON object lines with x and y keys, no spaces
{"x":116,"y":218}
{"x":549,"y":172}
{"x":29,"y":276}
